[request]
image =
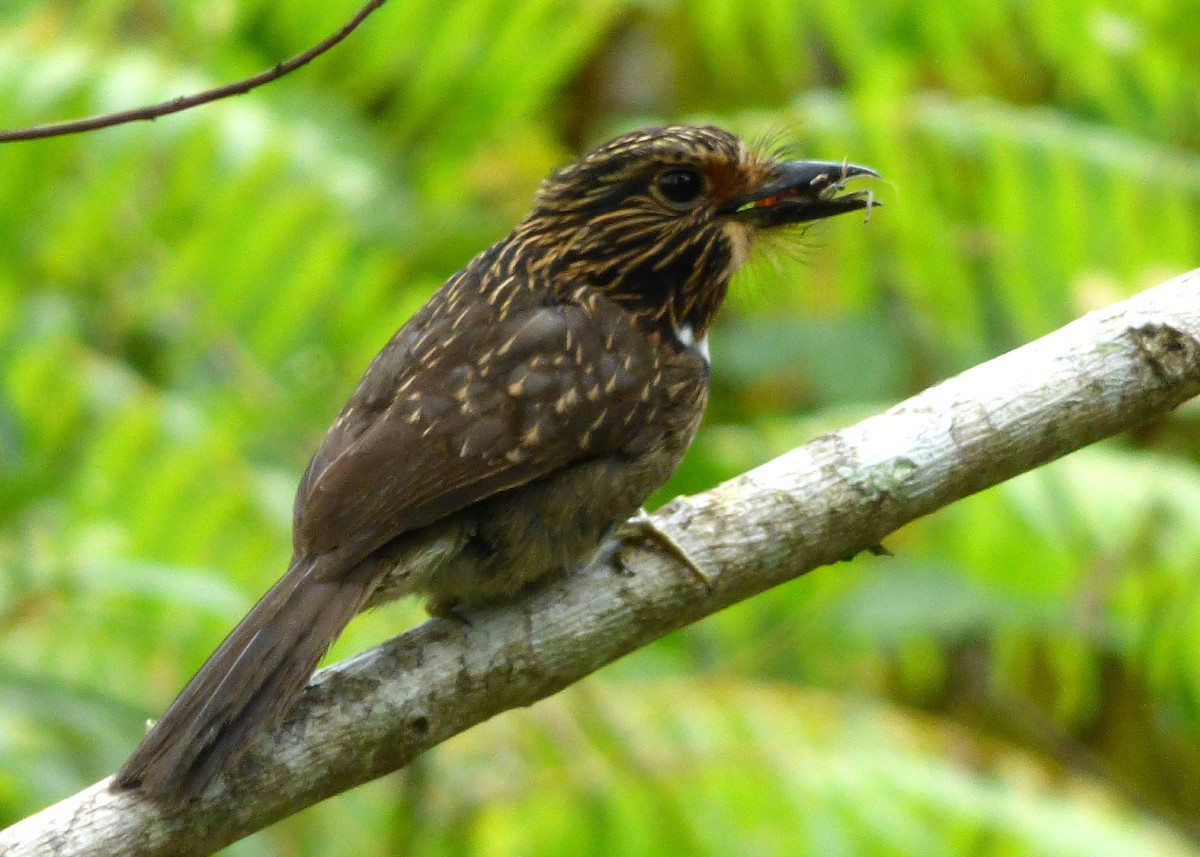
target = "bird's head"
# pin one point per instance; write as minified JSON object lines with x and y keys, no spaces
{"x":661,"y":218}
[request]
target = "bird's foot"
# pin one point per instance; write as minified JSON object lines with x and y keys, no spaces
{"x":637,"y":530}
{"x":451,"y":609}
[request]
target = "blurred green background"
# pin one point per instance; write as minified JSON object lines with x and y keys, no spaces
{"x":185,"y":305}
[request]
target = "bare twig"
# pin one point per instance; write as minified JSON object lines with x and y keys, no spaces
{"x":184,"y":102}
{"x":829,"y":500}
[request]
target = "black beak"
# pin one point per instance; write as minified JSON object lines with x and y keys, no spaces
{"x":803,"y":191}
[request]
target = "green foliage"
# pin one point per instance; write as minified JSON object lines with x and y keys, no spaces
{"x":778,"y":770}
{"x":185,"y":304}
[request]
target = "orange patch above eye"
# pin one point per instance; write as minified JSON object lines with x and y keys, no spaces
{"x":766,"y":202}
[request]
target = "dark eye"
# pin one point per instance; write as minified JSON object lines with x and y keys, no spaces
{"x":680,"y":186}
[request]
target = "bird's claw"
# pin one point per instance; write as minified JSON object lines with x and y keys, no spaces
{"x":640,"y":528}
{"x":451,"y":610}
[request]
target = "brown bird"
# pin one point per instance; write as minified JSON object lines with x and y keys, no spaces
{"x":511,"y":426}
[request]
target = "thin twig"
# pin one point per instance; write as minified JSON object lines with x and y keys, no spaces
{"x":184,"y":102}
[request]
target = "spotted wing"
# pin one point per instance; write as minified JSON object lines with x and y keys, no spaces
{"x":472,"y":406}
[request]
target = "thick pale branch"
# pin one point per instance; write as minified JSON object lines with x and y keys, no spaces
{"x":831,"y":499}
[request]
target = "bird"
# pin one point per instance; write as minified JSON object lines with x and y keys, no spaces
{"x":510,"y":428}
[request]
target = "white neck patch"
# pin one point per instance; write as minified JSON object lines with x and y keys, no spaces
{"x":687,"y":338}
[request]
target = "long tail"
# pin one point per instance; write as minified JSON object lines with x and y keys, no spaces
{"x":252,"y":677}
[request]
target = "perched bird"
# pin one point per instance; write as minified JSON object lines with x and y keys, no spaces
{"x":511,"y":426}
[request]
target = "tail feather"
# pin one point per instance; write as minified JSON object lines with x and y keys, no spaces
{"x":252,"y":677}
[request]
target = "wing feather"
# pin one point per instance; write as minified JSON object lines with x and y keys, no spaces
{"x":462,"y":412}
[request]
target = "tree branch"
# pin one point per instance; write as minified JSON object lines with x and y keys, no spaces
{"x":838,"y":495}
{"x":184,"y":102}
